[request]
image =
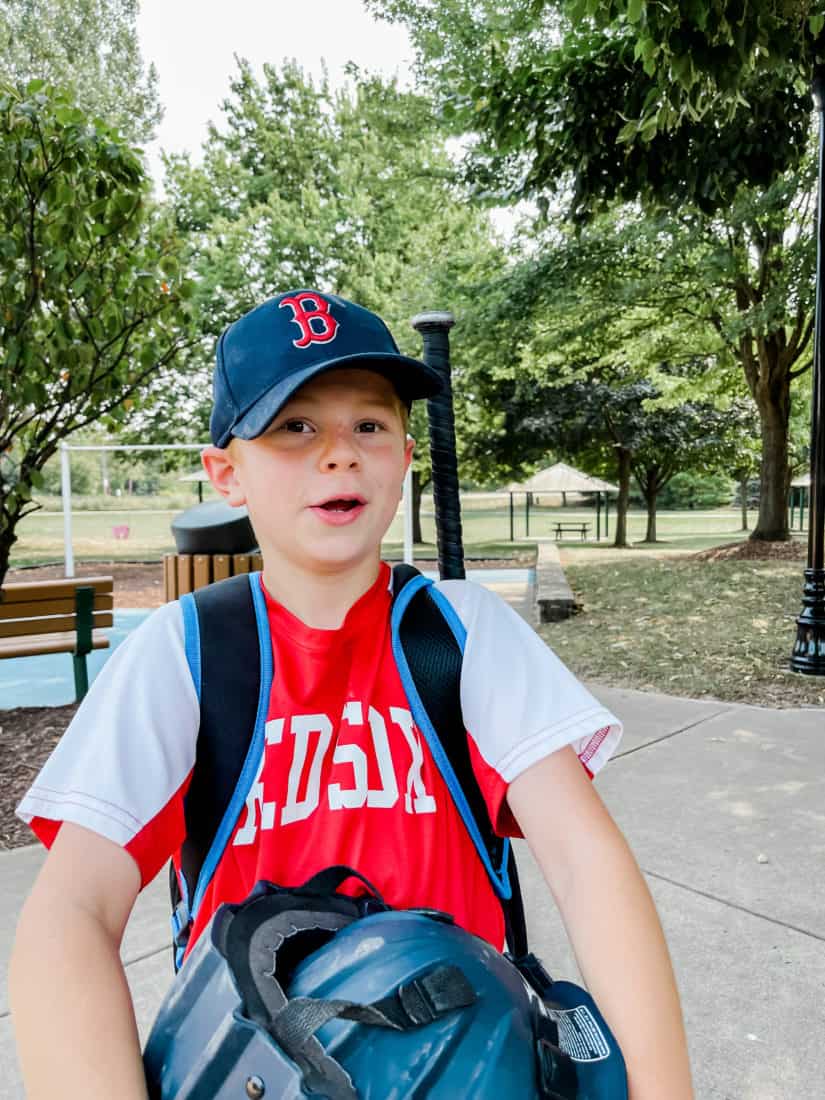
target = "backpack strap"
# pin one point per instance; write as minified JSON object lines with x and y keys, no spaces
{"x":230,"y":657}
{"x":428,"y":643}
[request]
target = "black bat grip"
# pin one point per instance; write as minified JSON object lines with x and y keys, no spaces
{"x":434,"y":329}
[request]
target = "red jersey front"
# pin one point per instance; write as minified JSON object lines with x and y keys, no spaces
{"x":346,"y":777}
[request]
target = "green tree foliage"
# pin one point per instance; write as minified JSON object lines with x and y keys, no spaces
{"x":92,"y":305}
{"x":88,"y":47}
{"x":605,"y":101}
{"x":723,"y":299}
{"x":702,"y":110}
{"x":350,"y":191}
{"x":690,"y":490}
{"x":700,"y":52}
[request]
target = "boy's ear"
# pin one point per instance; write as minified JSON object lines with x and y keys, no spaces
{"x":219,"y":463}
{"x":409,"y":447}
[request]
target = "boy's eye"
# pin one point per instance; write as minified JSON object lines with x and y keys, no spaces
{"x":296,"y":426}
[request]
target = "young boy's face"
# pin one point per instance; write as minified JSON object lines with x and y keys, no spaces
{"x":341,"y":436}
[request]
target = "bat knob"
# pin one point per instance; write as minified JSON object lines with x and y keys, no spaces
{"x":433,"y":319}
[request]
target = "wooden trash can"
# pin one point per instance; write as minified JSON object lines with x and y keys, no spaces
{"x":184,"y":573}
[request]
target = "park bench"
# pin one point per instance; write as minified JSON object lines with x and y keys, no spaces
{"x":563,"y":526}
{"x":59,"y":616}
{"x":184,"y":573}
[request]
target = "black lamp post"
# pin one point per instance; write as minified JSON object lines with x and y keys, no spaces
{"x":809,"y":648}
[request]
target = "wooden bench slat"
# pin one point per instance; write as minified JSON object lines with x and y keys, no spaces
{"x":170,"y":578}
{"x":16,"y":628}
{"x":202,"y":571}
{"x":184,"y":565}
{"x":29,"y":591}
{"x":38,"y":608}
{"x":33,"y":646}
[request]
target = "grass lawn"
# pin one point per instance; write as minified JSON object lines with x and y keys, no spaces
{"x":485,"y":523}
{"x":720,"y":629}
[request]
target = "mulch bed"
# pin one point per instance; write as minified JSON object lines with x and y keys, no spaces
{"x":27,"y":736}
{"x":754,"y":550}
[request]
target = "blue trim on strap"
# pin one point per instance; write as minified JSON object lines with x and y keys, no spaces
{"x":192,"y":639}
{"x":254,"y":752}
{"x":500,"y":879}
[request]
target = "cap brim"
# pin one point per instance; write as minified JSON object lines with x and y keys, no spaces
{"x":411,"y":378}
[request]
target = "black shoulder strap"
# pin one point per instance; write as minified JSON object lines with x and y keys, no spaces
{"x":230,"y":685}
{"x":434,"y":658}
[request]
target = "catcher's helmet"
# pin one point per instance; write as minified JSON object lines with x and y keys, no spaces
{"x":292,"y":996}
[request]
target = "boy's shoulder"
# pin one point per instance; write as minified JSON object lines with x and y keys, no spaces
{"x":470,"y":599}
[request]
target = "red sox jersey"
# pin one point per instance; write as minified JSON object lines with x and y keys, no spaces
{"x":345,"y":776}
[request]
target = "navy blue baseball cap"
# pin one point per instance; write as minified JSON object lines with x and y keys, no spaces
{"x":270,"y":352}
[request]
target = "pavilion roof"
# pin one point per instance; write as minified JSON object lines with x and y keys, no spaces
{"x":561,"y":478}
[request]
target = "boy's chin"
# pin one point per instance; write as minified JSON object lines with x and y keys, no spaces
{"x":339,"y":553}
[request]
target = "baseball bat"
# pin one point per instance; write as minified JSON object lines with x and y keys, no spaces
{"x":434,"y":327}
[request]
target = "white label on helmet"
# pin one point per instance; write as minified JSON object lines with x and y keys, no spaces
{"x":579,"y":1034}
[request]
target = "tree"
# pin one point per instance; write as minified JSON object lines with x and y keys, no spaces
{"x":92,"y":303}
{"x":586,"y":98}
{"x":88,"y":47}
{"x":686,"y":437}
{"x":369,"y":207}
{"x":723,"y":299}
{"x":612,"y":425}
{"x":692,"y":108}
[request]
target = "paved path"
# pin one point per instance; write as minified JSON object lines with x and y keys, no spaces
{"x":724,"y":806}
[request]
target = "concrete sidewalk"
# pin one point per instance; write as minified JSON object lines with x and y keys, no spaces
{"x":724,"y":806}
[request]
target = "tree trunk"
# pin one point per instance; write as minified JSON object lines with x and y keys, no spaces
{"x":743,"y":492}
{"x":650,"y":500}
{"x":774,"y":406}
{"x":9,"y":518}
{"x":7,"y":540}
{"x":624,"y":460}
{"x":416,"y":506}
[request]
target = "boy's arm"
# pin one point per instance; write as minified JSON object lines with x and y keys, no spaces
{"x":610,"y":918}
{"x":71,"y":1007}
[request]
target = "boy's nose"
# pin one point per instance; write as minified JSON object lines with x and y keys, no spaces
{"x":340,"y":451}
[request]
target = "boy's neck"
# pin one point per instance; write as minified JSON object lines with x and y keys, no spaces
{"x":320,"y":600}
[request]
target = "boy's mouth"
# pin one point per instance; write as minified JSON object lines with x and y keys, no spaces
{"x":344,"y":504}
{"x":343,"y":509}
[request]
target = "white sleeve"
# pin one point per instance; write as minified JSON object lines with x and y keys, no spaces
{"x":129,"y":748}
{"x":519,"y":701}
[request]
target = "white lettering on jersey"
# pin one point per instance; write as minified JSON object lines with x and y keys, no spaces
{"x":246,"y":833}
{"x":306,"y":769}
{"x":273,"y":732}
{"x":301,"y":726}
{"x":416,"y":798}
{"x":351,"y":798}
{"x":388,"y":794}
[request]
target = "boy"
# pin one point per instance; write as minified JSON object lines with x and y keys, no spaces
{"x":309,"y":431}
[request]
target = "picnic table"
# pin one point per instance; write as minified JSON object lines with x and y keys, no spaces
{"x":562,"y":526}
